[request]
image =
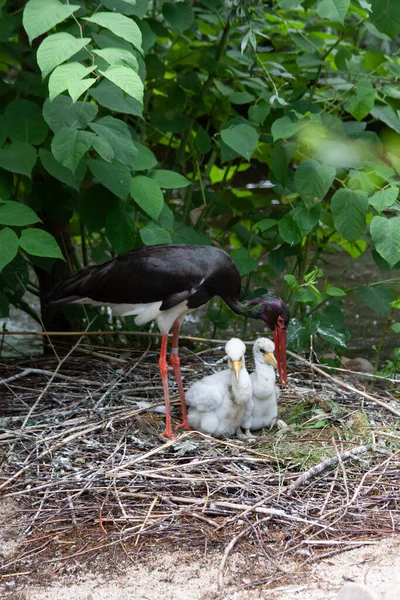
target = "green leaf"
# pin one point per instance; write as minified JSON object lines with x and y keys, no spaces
{"x":183,"y":234}
{"x":117,"y":134}
{"x":41,"y":15}
{"x":15,"y":277}
{"x":62,"y":173}
{"x":386,"y":16}
{"x":25,"y":122}
{"x":18,"y":157}
{"x":148,"y":195}
{"x":110,"y":96}
{"x":17,"y":214}
{"x":103,"y":148}
{"x":259,"y":112}
{"x":384,"y":198}
{"x":241,"y":138}
{"x":70,"y":145}
{"x":153,"y":234}
{"x":387,"y":115}
{"x":126,"y":79}
{"x":361,"y":105}
{"x":8,"y":246}
{"x":57,"y":48}
{"x":119,"y":56}
{"x":385,"y":234}
{"x":64,"y":75}
{"x":285,"y":128}
{"x":265,"y":224}
{"x":288,"y":230}
{"x":145,"y":159}
{"x":203,"y":141}
{"x":120,"y":25}
{"x":396,"y":327}
{"x":313,"y":181}
{"x":377,"y":297}
{"x":121,"y":228}
{"x":62,"y":112}
{"x":115,"y":176}
{"x":243,"y":261}
{"x":332,"y":290}
{"x":305,"y":219}
{"x":169,"y":180}
{"x":335,"y":10}
{"x":77,"y":88}
{"x":349,"y":209}
{"x":178,"y":14}
{"x":40,"y":243}
{"x":241,"y":98}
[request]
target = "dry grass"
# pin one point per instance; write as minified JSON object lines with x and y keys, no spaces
{"x":90,"y":472}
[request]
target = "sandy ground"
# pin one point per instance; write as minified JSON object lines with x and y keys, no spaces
{"x":183,"y":575}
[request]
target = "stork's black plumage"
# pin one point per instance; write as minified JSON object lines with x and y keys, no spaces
{"x":164,"y":283}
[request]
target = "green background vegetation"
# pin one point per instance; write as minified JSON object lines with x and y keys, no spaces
{"x":135,"y":122}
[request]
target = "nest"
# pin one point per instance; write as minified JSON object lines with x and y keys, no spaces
{"x":87,"y":470}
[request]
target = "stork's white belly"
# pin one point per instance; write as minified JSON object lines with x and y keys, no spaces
{"x":147,"y":312}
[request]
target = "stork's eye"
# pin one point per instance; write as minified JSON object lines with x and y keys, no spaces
{"x":263,"y":351}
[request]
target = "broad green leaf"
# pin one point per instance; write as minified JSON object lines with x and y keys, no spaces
{"x":178,"y":14}
{"x":384,"y":198}
{"x":115,"y":176}
{"x":285,"y":128}
{"x":335,"y":10}
{"x":117,"y":134}
{"x":385,"y":234}
{"x":120,"y":25}
{"x":386,"y":16}
{"x":169,"y":180}
{"x":145,"y":159}
{"x":313,"y":181}
{"x":119,"y":56}
{"x":24,"y":122}
{"x":62,"y":173}
{"x":288,"y":230}
{"x":241,"y":138}
{"x":361,"y":105}
{"x":288,"y":4}
{"x":77,"y":88}
{"x":396,"y":327}
{"x":126,"y":79}
{"x":387,"y":115}
{"x":39,"y":243}
{"x":103,"y":148}
{"x":17,"y":214}
{"x":70,"y":145}
{"x":62,"y":112}
{"x":121,"y":228}
{"x":305,"y":219}
{"x":265,"y":224}
{"x":259,"y":112}
{"x":8,"y":246}
{"x":64,"y":75}
{"x":203,"y":141}
{"x":334,"y":291}
{"x":305,"y":295}
{"x":18,"y":157}
{"x":148,"y":195}
{"x":154,"y":234}
{"x":377,"y":297}
{"x":15,"y":276}
{"x":349,"y":209}
{"x":241,"y":98}
{"x":166,"y":218}
{"x":183,"y":234}
{"x":245,"y":263}
{"x":41,"y":15}
{"x":57,"y":48}
{"x":110,"y":96}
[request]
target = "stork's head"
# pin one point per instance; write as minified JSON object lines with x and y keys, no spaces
{"x":275,"y":313}
{"x":235,"y":350}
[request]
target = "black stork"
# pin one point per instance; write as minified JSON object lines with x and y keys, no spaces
{"x":164,"y":283}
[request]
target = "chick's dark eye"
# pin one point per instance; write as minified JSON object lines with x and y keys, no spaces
{"x":262,"y":351}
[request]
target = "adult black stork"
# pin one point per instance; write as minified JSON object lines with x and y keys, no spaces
{"x":164,"y":283}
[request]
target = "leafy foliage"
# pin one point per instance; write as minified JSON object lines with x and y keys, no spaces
{"x":143,"y":126}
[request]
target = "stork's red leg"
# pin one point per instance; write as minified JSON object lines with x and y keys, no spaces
{"x":176,"y":365}
{"x":162,"y":362}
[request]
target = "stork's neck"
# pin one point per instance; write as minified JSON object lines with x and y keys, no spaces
{"x":245,"y":308}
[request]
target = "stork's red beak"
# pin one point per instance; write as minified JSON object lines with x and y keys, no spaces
{"x":280,"y":350}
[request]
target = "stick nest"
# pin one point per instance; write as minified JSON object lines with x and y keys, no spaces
{"x":86,"y":468}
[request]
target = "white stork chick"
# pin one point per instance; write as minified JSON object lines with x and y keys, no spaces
{"x":264,"y":410}
{"x":218,"y":404}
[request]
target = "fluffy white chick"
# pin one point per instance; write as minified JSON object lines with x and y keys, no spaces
{"x":264,"y":406}
{"x":218,"y":404}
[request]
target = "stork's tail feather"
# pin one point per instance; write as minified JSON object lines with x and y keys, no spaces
{"x":75,"y":288}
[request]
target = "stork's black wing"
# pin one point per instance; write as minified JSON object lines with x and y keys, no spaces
{"x":169,"y":273}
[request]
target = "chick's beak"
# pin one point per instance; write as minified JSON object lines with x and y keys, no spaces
{"x":270,"y":360}
{"x":236,"y":366}
{"x":280,"y":347}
